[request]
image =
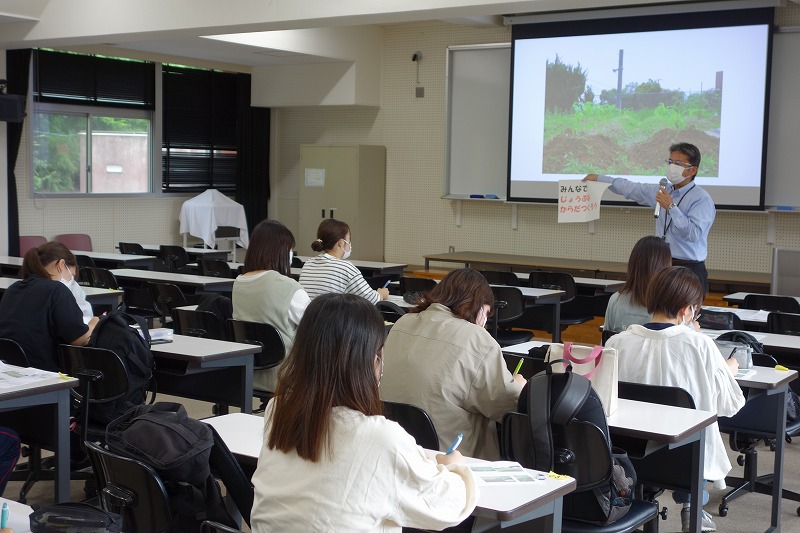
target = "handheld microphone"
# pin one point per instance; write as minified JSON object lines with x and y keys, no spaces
{"x":662,"y":183}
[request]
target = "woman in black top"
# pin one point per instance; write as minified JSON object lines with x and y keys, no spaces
{"x":40,"y":312}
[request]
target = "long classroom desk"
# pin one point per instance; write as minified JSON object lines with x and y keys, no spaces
{"x":508,"y":504}
{"x":194,"y":253}
{"x":737,"y":298}
{"x":53,"y":391}
{"x":115,"y":260}
{"x":94,"y":295}
{"x":207,"y":370}
{"x":188,"y":282}
{"x":10,"y":265}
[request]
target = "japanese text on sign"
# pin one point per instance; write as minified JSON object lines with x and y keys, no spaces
{"x":579,"y":201}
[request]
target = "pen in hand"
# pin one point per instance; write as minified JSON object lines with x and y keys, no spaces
{"x":455,"y":444}
{"x":385,"y":285}
{"x":519,"y":365}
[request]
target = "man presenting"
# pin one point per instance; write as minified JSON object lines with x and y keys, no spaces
{"x":686,"y":210}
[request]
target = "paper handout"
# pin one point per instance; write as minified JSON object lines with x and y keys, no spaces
{"x":579,"y":201}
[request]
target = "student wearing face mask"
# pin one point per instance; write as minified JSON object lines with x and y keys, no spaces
{"x":265,"y":292}
{"x":670,"y":351}
{"x":330,"y":271}
{"x":441,"y":358}
{"x":686,"y":209}
{"x":40,"y":312}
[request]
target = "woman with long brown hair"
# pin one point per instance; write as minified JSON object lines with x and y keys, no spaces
{"x":40,"y":312}
{"x":441,"y":358}
{"x":330,"y":461}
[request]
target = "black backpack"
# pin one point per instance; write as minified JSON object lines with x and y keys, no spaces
{"x":178,"y":448}
{"x":115,"y":331}
{"x":744,"y":338}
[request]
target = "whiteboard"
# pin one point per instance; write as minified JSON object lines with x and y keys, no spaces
{"x":478,"y":85}
{"x":478,"y":90}
{"x":783,"y":141}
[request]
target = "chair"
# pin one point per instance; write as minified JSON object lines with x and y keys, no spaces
{"x":391,"y":311}
{"x":297,"y":262}
{"x":272,"y":348}
{"x":509,"y":306}
{"x":11,"y":353}
{"x":139,"y":302}
{"x":582,"y":452}
{"x":132,"y":489}
{"x":203,"y":324}
{"x":166,"y":297}
{"x":753,"y":423}
{"x":783,"y":323}
{"x":102,"y":278}
{"x":769,"y":302}
{"x":720,"y":320}
{"x":226,"y":468}
{"x":572,"y":310}
{"x":215,"y":268}
{"x":75,"y":241}
{"x":26,"y":242}
{"x":607,"y":334}
{"x":408,"y":284}
{"x":176,"y":258}
{"x":415,"y":421}
{"x":131,"y":248}
{"x":498,"y":277}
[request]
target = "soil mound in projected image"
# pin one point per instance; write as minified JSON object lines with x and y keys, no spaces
{"x":568,"y":153}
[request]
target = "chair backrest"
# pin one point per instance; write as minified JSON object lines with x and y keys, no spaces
{"x":497,"y":277}
{"x":265,"y":335}
{"x":225,"y":467}
{"x":783,"y":323}
{"x":415,"y":421}
{"x":84,"y":261}
{"x":12,"y":353}
{"x":660,"y":394}
{"x":132,"y":489}
{"x":542,"y":279}
{"x":102,"y":278}
{"x":204,"y":324}
{"x":391,"y":311}
{"x":26,"y":242}
{"x":719,"y":320}
{"x":75,"y":241}
{"x":175,"y":257}
{"x":514,"y":303}
{"x":131,"y":248}
{"x":408,"y":284}
{"x":607,"y":334}
{"x":166,"y":297}
{"x":215,"y":268}
{"x":769,"y":302}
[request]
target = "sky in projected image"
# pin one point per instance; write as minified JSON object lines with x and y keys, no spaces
{"x":680,"y":60}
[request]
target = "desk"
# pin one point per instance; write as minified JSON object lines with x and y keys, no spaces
{"x":188,"y":282}
{"x":10,"y":265}
{"x":372,"y":268}
{"x":510,"y":260}
{"x":737,"y":298}
{"x":207,"y":370}
{"x":509,"y":504}
{"x":194,"y":253}
{"x":48,"y":391}
{"x":115,"y":260}
{"x":752,"y":318}
{"x":94,"y":295}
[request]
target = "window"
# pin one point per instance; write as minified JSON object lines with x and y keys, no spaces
{"x":92,"y":124}
{"x":199,"y":138}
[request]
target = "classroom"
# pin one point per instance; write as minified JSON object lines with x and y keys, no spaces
{"x":375,"y":74}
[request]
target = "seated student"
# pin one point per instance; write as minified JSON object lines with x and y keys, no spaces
{"x":441,"y":358}
{"x":265,"y":292}
{"x":669,"y":351}
{"x":9,"y":453}
{"x":330,"y":461}
{"x":649,"y":256}
{"x":40,"y":312}
{"x":329,"y":272}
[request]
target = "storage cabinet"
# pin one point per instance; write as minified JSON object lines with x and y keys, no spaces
{"x":346,"y":182}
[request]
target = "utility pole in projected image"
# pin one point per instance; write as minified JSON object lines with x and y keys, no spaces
{"x":619,"y":81}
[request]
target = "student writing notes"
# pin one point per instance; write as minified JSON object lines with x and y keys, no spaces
{"x":330,"y":461}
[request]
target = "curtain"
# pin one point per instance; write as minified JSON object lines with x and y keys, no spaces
{"x":252,"y":163}
{"x":17,"y":70}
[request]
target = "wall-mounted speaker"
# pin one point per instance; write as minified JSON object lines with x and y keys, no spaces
{"x":12,"y":108}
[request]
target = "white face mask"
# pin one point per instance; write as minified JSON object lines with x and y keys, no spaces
{"x":675,"y":174}
{"x":691,"y":319}
{"x":79,"y":295}
{"x":482,"y":318}
{"x":291,"y":256}
{"x":348,"y":252}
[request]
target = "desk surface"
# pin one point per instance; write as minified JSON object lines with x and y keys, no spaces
{"x":113,"y":256}
{"x":172,"y":277}
{"x":656,"y":422}
{"x":49,"y":382}
{"x":244,"y":436}
{"x":92,"y":293}
{"x":468,"y":257}
{"x":789,"y":343}
{"x":10,"y":260}
{"x":738,"y":297}
{"x":189,"y":250}
{"x":188,"y":348}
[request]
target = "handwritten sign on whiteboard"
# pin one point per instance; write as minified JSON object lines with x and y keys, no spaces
{"x":579,"y":201}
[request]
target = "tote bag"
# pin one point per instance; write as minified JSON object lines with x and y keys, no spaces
{"x":599,"y":365}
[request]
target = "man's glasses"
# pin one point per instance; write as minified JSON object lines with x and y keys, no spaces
{"x":683,"y":164}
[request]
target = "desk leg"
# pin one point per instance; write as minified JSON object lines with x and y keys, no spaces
{"x":557,"y":321}
{"x":62,"y":446}
{"x":427,"y":263}
{"x":698,"y":460}
{"x":777,"y":476}
{"x":247,"y":386}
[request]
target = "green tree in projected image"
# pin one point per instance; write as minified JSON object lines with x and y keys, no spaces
{"x":586,"y":132}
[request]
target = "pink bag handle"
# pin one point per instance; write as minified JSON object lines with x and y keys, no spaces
{"x":594,"y":355}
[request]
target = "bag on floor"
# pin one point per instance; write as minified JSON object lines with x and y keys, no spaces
{"x":63,"y":517}
{"x":178,"y":448}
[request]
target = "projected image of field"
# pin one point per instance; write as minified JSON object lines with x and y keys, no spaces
{"x":625,"y":132}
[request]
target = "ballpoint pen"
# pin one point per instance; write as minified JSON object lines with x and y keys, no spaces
{"x":388,"y":281}
{"x":4,"y":516}
{"x":455,"y":444}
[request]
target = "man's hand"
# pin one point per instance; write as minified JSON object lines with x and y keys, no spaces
{"x":590,"y":177}
{"x":663,"y":198}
